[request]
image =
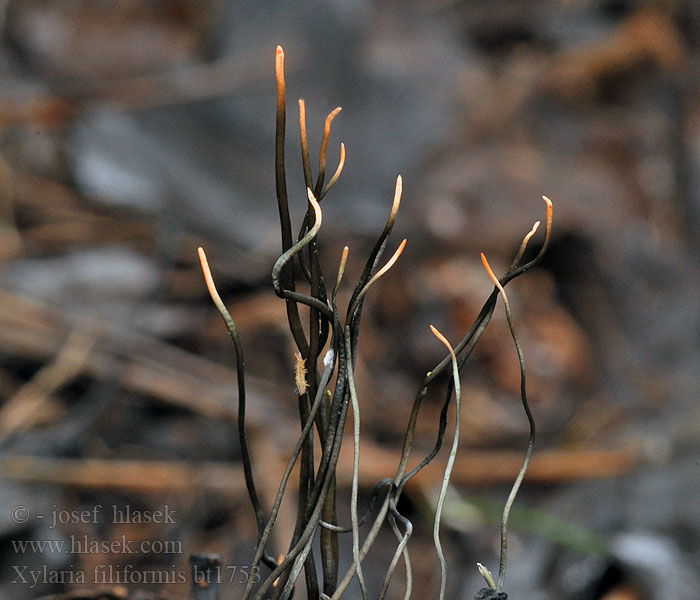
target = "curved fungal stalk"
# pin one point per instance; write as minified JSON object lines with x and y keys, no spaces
{"x":324,"y":148}
{"x":531,"y":441}
{"x":304,"y":143}
{"x":377,"y":275}
{"x":523,"y":245}
{"x":260,"y":517}
{"x":338,"y":171}
{"x":355,"y":465}
{"x":322,"y":307}
{"x":341,"y":270}
{"x":450,"y":464}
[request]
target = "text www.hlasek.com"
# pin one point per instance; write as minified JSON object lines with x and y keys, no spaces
{"x":78,"y":544}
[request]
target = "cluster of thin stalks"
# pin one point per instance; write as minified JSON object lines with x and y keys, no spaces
{"x":330,"y":348}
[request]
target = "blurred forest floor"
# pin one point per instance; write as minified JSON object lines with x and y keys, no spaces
{"x":132,"y":132}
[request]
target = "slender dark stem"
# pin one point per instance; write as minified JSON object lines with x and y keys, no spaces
{"x":355,"y":467}
{"x":260,"y":517}
{"x":478,"y":326}
{"x":305,"y":160}
{"x":531,"y":441}
{"x":283,"y":205}
{"x":400,"y":551}
{"x":322,"y":152}
{"x":354,"y":313}
{"x":278,"y":269}
{"x":285,"y":477}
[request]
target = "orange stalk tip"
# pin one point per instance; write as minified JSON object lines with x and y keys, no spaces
{"x":442,"y":339}
{"x":279,"y":67}
{"x":490,"y":272}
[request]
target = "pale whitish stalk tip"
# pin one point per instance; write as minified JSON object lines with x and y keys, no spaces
{"x":398,"y":190}
{"x":314,"y":203}
{"x":486,"y":574}
{"x":549,"y":211}
{"x":388,"y":265}
{"x":338,"y":170}
{"x":448,"y":469}
{"x":341,"y":269}
{"x":378,"y":274}
{"x":529,"y":234}
{"x":279,"y":68}
{"x":523,"y":244}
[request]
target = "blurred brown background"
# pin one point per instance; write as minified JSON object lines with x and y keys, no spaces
{"x":131,"y":132}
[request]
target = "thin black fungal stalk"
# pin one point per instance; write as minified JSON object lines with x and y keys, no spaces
{"x":319,"y":190}
{"x":328,"y":537}
{"x":326,"y":471}
{"x":325,"y":378}
{"x":354,"y":306}
{"x":283,"y":203}
{"x":401,"y":551}
{"x":278,"y":267}
{"x":468,"y":342}
{"x":324,"y":149}
{"x":240,"y":371}
{"x":305,"y":160}
{"x":314,"y":517}
{"x":369,"y":540}
{"x":372,"y":262}
{"x":531,"y":421}
{"x":466,"y":346}
{"x":383,"y":483}
{"x":450,"y":464}
{"x":306,"y":474}
{"x":355,"y":466}
{"x":299,"y":564}
{"x":318,"y":332}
